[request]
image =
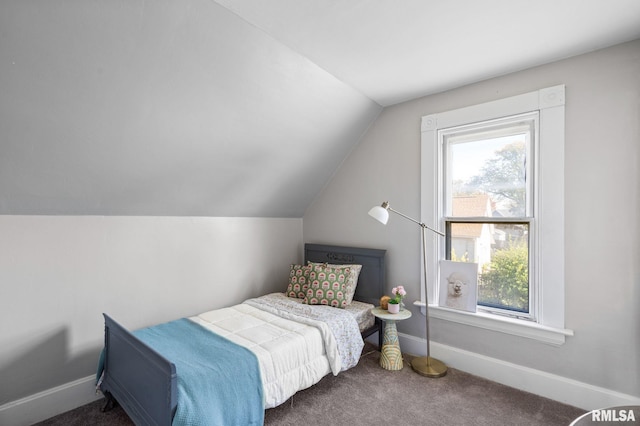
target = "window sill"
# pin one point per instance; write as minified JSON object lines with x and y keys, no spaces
{"x":516,"y":327}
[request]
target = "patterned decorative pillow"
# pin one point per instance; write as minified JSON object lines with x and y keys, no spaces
{"x":298,"y":281}
{"x":327,"y":286}
{"x":352,"y":280}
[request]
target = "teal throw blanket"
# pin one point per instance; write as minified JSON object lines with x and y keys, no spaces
{"x":219,"y":381}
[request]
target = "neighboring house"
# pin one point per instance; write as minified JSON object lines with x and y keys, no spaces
{"x":472,"y":241}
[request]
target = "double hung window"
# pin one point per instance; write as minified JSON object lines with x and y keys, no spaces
{"x":489,"y":208}
{"x":493,"y":178}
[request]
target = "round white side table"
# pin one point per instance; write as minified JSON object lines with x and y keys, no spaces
{"x":390,"y":354}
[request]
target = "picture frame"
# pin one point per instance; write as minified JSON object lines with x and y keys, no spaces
{"x":458,"y":285}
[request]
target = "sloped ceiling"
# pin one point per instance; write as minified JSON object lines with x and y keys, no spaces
{"x":179,"y":108}
{"x":241,"y":108}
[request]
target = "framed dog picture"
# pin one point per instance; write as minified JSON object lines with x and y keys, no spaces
{"x":458,"y":285}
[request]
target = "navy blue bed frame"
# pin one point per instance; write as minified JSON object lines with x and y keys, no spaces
{"x":145,"y":384}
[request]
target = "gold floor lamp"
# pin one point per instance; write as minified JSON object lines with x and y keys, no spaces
{"x":425,"y":365}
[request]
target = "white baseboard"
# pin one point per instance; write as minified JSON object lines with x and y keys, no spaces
{"x":49,"y":403}
{"x":558,"y":388}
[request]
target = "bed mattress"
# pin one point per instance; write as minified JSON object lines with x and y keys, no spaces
{"x":292,"y":355}
{"x":361,"y":311}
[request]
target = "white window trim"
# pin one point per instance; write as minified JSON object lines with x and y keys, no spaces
{"x":549,"y":253}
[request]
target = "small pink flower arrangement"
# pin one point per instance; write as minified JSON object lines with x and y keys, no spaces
{"x":398,"y":294}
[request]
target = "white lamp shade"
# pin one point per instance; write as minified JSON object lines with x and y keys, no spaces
{"x":380,"y":214}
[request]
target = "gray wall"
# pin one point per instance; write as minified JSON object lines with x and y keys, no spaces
{"x":58,"y":274}
{"x":602,"y":233}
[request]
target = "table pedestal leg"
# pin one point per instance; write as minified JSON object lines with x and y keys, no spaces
{"x":390,"y":355}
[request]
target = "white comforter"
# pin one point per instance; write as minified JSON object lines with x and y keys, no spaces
{"x":296,"y":345}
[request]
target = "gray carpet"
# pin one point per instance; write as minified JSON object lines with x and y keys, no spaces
{"x":368,"y":394}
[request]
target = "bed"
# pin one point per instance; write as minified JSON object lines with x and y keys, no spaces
{"x":145,"y":383}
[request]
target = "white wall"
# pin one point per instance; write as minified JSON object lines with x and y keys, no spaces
{"x":602,"y":157}
{"x":58,"y":274}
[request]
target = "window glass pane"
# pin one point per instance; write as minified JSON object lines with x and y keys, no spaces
{"x":502,"y":254}
{"x":490,"y":167}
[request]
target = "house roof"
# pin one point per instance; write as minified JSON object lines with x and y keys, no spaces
{"x":470,"y":206}
{"x":241,"y":108}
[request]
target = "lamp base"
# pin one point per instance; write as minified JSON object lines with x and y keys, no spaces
{"x":429,"y":367}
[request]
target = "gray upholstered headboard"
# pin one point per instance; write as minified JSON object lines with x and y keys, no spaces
{"x":371,"y":283}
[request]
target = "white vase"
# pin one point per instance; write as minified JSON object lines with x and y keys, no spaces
{"x":393,"y":308}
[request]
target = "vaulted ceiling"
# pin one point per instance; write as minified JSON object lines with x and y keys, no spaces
{"x":241,"y":108}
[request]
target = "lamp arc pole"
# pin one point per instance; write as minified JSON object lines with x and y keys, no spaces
{"x":426,"y":365}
